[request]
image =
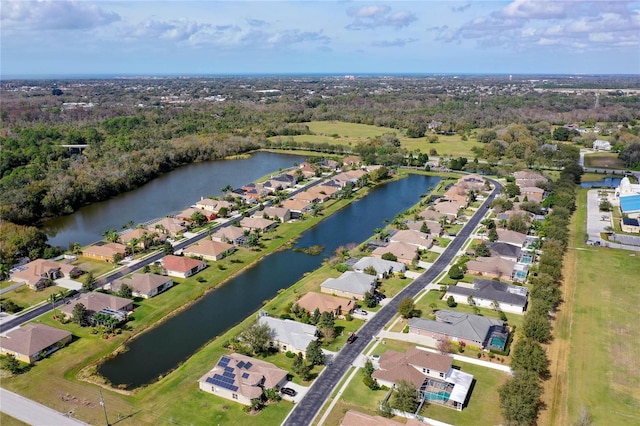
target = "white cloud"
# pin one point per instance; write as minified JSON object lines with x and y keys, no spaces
{"x":54,"y":15}
{"x":398,"y":42}
{"x":376,"y":16}
{"x":176,"y":30}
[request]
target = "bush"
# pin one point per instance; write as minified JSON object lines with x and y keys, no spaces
{"x":290,"y":354}
{"x":451,"y":302}
{"x":348,"y":317}
{"x":405,"y":329}
{"x":286,"y":316}
{"x":341,"y":267}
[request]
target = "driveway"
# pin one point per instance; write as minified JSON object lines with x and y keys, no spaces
{"x":301,"y":392}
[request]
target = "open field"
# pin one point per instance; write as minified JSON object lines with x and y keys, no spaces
{"x":606,"y":160}
{"x":7,"y":420}
{"x":482,"y":403}
{"x":594,"y":355}
{"x":341,"y":133}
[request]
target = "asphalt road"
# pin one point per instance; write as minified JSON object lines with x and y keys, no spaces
{"x":306,"y":410}
{"x":32,"y":412}
{"x":41,"y":310}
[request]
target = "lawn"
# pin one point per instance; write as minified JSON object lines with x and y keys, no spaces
{"x":608,"y":160}
{"x":594,"y":355}
{"x":25,"y":296}
{"x":482,"y":403}
{"x":352,"y":133}
{"x":7,"y":420}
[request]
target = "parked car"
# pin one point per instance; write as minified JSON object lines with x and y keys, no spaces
{"x":288,"y":391}
{"x":352,"y":338}
{"x":360,"y":312}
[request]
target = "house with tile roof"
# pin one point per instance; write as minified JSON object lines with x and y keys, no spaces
{"x":485,"y":293}
{"x":350,"y":284}
{"x":434,"y":226}
{"x":327,"y":303}
{"x":289,"y":335}
{"x":240,"y":378}
{"x":168,"y":226}
{"x":414,"y":238}
{"x":212,"y":205}
{"x":511,"y":237}
{"x":533,"y":193}
{"x":431,"y":373}
{"x":188,"y":213}
{"x":144,"y":285}
{"x":257,"y":223}
{"x":457,"y":326}
{"x":182,"y":267}
{"x":504,"y":250}
{"x":230,"y":234}
{"x":31,"y":342}
{"x":280,"y":213}
{"x":38,"y":273}
{"x":108,"y":252}
{"x":495,"y":267}
{"x":209,"y":250}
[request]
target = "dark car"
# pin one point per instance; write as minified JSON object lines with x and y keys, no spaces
{"x":352,"y":338}
{"x":288,"y":391}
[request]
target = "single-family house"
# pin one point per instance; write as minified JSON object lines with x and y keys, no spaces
{"x":230,"y":234}
{"x":169,"y":226}
{"x":504,"y":250}
{"x":257,"y":223}
{"x":601,"y":145}
{"x":327,"y":303}
{"x":327,"y":190}
{"x":472,"y":183}
{"x":280,"y":213}
{"x":383,"y":267}
{"x":496,"y":267}
{"x":33,"y":341}
{"x":414,"y":238}
{"x":209,"y":250}
{"x":108,"y":252}
{"x":182,"y":267}
{"x":187,"y":214}
{"x":533,"y":193}
{"x":288,"y":335}
{"x":403,"y":252}
{"x":38,"y":273}
{"x":350,"y":284}
{"x":350,"y":161}
{"x":511,"y":237}
{"x":486,"y":293}
{"x":431,"y":214}
{"x":297,"y":207}
{"x":240,"y":378}
{"x":308,"y":196}
{"x":450,"y":210}
{"x":417,"y":225}
{"x":455,"y":194}
{"x":145,"y":285}
{"x":143,"y":236}
{"x":529,"y":178}
{"x":435,"y":380}
{"x":457,"y":326}
{"x":95,"y":302}
{"x":212,"y":205}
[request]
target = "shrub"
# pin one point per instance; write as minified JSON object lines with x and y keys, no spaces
{"x":405,"y":329}
{"x":348,"y":317}
{"x":290,"y":354}
{"x":451,"y":302}
{"x":341,"y":267}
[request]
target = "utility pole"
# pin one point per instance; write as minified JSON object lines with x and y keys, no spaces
{"x":104,"y":407}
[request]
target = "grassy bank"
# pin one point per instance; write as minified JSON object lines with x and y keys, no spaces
{"x":593,"y":356}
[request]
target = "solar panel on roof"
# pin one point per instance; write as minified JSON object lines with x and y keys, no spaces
{"x":224,"y":361}
{"x":233,"y":388}
{"x":229,"y":375}
{"x":245,"y":375}
{"x":241,"y":364}
{"x":248,"y":365}
{"x":229,"y":369}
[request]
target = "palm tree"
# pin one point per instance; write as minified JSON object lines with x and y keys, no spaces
{"x":227,"y":188}
{"x":111,"y":235}
{"x":132,"y":245}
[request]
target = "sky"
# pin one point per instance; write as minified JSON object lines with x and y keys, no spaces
{"x":209,"y":37}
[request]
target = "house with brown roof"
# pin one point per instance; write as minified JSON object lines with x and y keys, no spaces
{"x":403,"y":252}
{"x":296,"y":206}
{"x":230,"y":234}
{"x":308,"y":197}
{"x":144,"y":237}
{"x":38,"y":273}
{"x":431,"y":214}
{"x":414,"y":238}
{"x":257,"y":223}
{"x":431,"y":373}
{"x":448,"y":209}
{"x":209,"y":250}
{"x":434,"y":227}
{"x":471,"y":182}
{"x":33,"y":341}
{"x":350,"y":161}
{"x":326,"y":303}
{"x":455,"y":194}
{"x":529,"y":178}
{"x":240,"y":378}
{"x":212,"y":205}
{"x":168,"y":226}
{"x":532,"y":193}
{"x":280,"y":213}
{"x":187,"y":214}
{"x":95,"y":302}
{"x":328,"y":190}
{"x":496,"y":267}
{"x":144,"y":285}
{"x":182,"y":267}
{"x":108,"y":252}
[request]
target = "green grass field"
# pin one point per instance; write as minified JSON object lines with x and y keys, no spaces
{"x":7,"y":420}
{"x":607,"y":160}
{"x":594,"y":356}
{"x":341,"y":133}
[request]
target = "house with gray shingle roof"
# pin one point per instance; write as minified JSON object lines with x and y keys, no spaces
{"x":289,"y":335}
{"x":382,"y":267}
{"x":504,"y":250}
{"x":458,"y":327}
{"x":510,"y":298}
{"x":350,"y":284}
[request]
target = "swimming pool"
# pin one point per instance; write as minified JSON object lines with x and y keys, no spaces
{"x":497,"y":342}
{"x":437,"y":396}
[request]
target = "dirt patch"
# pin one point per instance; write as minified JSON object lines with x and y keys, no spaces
{"x":74,"y":400}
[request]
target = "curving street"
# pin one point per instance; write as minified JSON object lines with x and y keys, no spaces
{"x":307,"y":409}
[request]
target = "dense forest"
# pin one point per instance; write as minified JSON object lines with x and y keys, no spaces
{"x":137,"y":129}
